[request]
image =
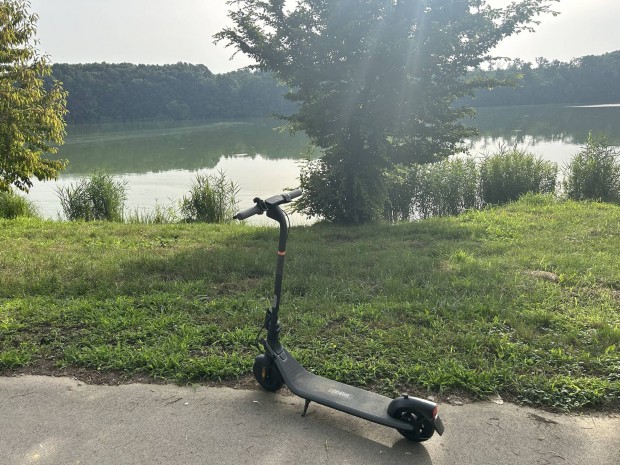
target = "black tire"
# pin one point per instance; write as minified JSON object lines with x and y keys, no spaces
{"x":267,"y":375}
{"x":423,"y":428}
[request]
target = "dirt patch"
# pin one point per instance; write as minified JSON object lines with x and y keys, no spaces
{"x":544,"y":275}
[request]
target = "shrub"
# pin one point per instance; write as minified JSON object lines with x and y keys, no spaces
{"x":507,"y":175}
{"x":98,"y":197}
{"x":13,"y":205}
{"x":594,"y":173}
{"x":211,"y":199}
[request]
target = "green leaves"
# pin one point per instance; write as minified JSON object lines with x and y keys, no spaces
{"x":31,"y":115}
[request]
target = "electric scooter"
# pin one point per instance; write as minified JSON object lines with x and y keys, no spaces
{"x":416,"y":419}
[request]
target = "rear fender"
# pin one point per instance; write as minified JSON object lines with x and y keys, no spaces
{"x":425,"y":407}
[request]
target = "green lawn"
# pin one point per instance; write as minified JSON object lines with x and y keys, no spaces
{"x":444,"y":306}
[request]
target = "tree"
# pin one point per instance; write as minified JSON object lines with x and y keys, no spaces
{"x":31,"y":115}
{"x":376,"y":82}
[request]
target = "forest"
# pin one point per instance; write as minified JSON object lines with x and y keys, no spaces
{"x":589,"y":80}
{"x":103,"y":92}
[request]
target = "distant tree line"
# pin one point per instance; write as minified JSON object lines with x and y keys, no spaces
{"x":592,"y":79}
{"x":102,"y":92}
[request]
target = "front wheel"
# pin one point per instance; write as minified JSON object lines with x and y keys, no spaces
{"x":423,"y":428}
{"x":267,"y":374}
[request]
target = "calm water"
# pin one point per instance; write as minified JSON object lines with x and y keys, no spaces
{"x":159,"y":161}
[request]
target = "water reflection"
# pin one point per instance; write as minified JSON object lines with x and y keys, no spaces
{"x":156,"y":147}
{"x":548,"y":123}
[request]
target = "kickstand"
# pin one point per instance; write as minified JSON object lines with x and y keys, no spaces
{"x":305,"y":407}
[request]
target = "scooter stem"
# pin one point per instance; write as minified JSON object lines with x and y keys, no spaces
{"x":273,"y":334}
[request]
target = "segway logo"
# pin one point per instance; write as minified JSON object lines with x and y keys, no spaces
{"x":339,"y":393}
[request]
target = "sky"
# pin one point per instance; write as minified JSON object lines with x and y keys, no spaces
{"x":172,"y":31}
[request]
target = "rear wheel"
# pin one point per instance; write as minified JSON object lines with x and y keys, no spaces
{"x":267,"y":374}
{"x":423,"y":428}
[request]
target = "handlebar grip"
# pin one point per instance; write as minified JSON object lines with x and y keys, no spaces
{"x":255,"y":210}
{"x":294,"y":194}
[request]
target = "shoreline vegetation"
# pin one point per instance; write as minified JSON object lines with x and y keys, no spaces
{"x":417,"y":191}
{"x":521,"y":300}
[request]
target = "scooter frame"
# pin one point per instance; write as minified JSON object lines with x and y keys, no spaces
{"x":415,"y":418}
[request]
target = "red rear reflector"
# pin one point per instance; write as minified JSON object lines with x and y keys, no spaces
{"x":435,"y":412}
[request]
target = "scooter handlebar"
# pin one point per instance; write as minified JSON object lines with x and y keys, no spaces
{"x":288,"y":196}
{"x":261,"y":205}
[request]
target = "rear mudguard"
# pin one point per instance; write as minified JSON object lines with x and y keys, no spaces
{"x":424,"y":407}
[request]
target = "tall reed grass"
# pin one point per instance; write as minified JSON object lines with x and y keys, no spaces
{"x":13,"y":205}
{"x":97,"y":197}
{"x":448,"y":187}
{"x":454,"y":185}
{"x":211,"y":199}
{"x":594,"y":172}
{"x":508,"y":174}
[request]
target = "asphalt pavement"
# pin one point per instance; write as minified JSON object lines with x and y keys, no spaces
{"x":63,"y":421}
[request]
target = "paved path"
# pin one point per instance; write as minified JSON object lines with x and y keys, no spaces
{"x":62,"y":421}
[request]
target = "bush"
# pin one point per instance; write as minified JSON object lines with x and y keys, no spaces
{"x":98,"y":197}
{"x":211,"y":199}
{"x":13,"y":205}
{"x":507,"y":175}
{"x":594,"y":173}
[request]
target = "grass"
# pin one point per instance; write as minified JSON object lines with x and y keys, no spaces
{"x":447,"y":305}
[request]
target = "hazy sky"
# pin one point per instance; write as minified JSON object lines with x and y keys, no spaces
{"x":169,"y":31}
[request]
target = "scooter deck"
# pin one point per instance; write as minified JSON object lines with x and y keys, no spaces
{"x":339,"y":396}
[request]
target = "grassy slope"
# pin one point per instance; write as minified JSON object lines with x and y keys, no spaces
{"x":444,"y":305}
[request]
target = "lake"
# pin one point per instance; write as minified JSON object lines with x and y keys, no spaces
{"x":159,"y":161}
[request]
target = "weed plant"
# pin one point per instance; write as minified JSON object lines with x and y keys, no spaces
{"x":521,"y":300}
{"x":13,"y":205}
{"x":97,"y":197}
{"x":594,"y":173}
{"x":211,"y":199}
